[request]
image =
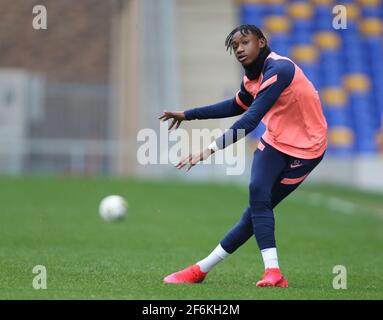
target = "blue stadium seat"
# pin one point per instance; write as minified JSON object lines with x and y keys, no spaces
{"x":371,"y":11}
{"x":301,"y":31}
{"x":280,"y":42}
{"x":276,"y":9}
{"x":252,"y":14}
{"x":323,"y":18}
{"x":301,"y":16}
{"x":311,"y":70}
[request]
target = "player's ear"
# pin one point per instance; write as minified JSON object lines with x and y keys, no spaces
{"x":262,"y":42}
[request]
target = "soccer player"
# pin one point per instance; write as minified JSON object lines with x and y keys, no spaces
{"x":275,"y":90}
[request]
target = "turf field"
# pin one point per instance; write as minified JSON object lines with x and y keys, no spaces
{"x":54,"y":222}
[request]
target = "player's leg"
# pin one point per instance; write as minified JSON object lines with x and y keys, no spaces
{"x":241,"y":232}
{"x":292,"y":177}
{"x":267,"y":167}
{"x":237,"y":236}
{"x":287,"y":182}
{"x":267,"y":161}
{"x":265,"y":172}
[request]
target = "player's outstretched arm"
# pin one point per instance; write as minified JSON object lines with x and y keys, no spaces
{"x":177,"y":116}
{"x":222,"y":109}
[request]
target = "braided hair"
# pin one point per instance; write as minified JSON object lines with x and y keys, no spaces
{"x":244,"y":29}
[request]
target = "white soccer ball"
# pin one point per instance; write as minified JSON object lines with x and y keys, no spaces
{"x":113,"y":208}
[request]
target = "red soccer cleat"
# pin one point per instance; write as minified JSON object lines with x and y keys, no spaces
{"x":273,"y":278}
{"x":192,"y":274}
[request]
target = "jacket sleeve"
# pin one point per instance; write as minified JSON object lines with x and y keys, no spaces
{"x":224,"y":109}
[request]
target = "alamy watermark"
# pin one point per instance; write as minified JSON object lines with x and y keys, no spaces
{"x":171,"y":147}
{"x":340,"y":280}
{"x":40,"y":21}
{"x":40,"y":280}
{"x":340,"y":19}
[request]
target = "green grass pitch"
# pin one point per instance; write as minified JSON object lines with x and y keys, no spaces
{"x":170,"y":224}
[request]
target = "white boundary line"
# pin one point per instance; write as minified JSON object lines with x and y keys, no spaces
{"x":334,"y":203}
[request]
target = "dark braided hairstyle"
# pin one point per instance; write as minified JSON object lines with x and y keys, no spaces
{"x":244,"y":29}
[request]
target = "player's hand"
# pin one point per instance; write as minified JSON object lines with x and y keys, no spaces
{"x":177,"y":117}
{"x":192,"y":159}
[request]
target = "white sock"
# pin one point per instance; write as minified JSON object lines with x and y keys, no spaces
{"x":217,"y":255}
{"x":270,"y":258}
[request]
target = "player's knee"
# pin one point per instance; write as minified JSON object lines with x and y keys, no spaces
{"x":261,"y":210}
{"x":255,"y":188}
{"x":258,"y":193}
{"x":260,"y":203}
